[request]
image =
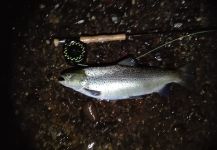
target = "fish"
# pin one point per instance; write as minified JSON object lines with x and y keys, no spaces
{"x":123,"y":80}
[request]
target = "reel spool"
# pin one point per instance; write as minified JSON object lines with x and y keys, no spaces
{"x":74,"y":52}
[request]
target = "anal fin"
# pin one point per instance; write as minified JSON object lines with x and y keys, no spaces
{"x":165,"y":91}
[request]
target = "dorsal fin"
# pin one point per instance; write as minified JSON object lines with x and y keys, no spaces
{"x":128,"y":62}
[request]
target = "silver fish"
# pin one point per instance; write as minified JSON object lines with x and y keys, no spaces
{"x":121,"y":81}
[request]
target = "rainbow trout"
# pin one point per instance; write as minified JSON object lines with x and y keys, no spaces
{"x":124,"y":80}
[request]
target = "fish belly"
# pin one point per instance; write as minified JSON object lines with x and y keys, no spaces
{"x":126,"y":84}
{"x":123,"y":88}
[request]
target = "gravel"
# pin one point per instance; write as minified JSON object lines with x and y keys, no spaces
{"x":54,"y":117}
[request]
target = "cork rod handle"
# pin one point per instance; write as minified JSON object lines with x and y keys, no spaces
{"x":103,"y":38}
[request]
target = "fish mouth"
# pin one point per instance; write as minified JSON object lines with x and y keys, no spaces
{"x":60,"y":79}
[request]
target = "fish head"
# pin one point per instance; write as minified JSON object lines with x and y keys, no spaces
{"x":72,"y":79}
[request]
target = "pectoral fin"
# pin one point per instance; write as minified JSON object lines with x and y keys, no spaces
{"x":93,"y":92}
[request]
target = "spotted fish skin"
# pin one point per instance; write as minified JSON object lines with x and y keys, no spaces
{"x":121,"y":81}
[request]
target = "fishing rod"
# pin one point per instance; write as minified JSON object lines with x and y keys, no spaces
{"x":121,"y":36}
{"x":74,"y":48}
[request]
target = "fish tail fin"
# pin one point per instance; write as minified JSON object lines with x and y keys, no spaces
{"x":187,"y":74}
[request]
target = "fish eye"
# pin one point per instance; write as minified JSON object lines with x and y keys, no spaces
{"x":69,"y":75}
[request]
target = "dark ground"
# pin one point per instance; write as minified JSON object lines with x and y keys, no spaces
{"x":46,"y":115}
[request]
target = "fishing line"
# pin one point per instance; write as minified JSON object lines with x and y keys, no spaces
{"x":179,"y":38}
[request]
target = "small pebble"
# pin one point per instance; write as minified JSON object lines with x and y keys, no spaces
{"x":133,"y":2}
{"x":128,"y":31}
{"x":90,"y":146}
{"x":47,"y":42}
{"x":49,"y":108}
{"x":198,"y":19}
{"x":90,"y":111}
{"x":177,"y":25}
{"x":158,"y":18}
{"x":115,"y":19}
{"x":42,"y":6}
{"x":54,"y":19}
{"x":158,"y":57}
{"x":56,"y":6}
{"x":93,"y":18}
{"x":80,"y":22}
{"x":26,"y":94}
